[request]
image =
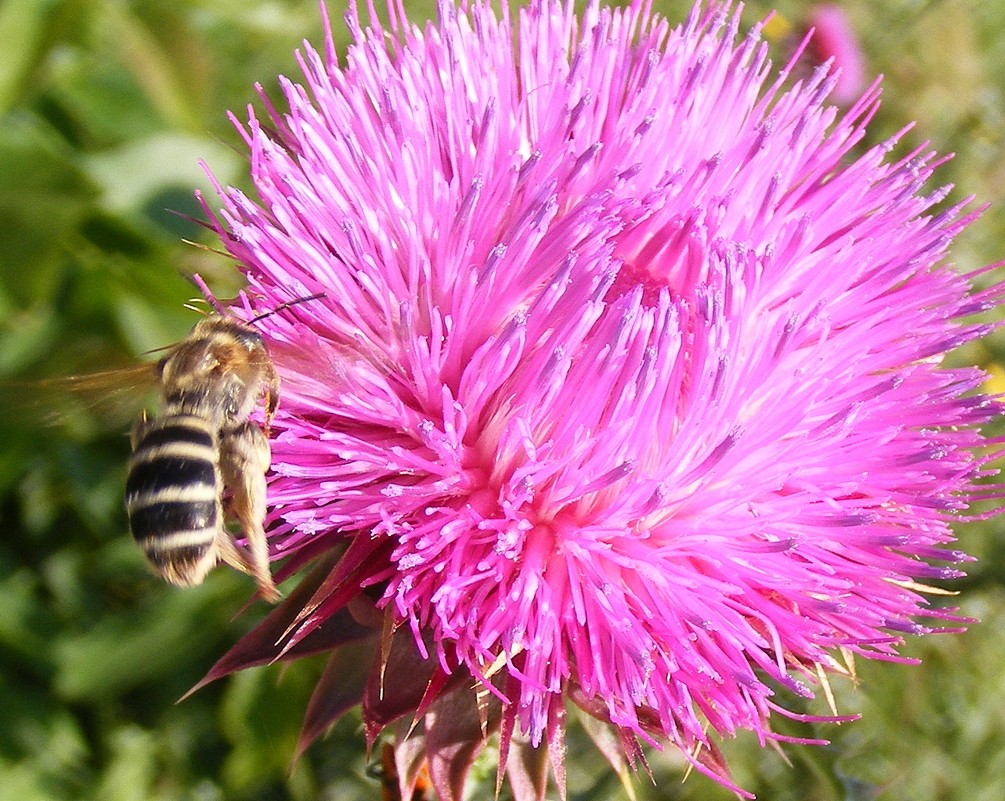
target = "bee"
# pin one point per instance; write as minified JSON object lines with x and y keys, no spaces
{"x":201,"y":443}
{"x":195,"y":492}
{"x":201,"y":447}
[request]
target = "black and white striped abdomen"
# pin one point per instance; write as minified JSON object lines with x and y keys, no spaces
{"x":173,"y":495}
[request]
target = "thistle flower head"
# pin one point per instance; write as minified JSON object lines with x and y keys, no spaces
{"x":625,"y":388}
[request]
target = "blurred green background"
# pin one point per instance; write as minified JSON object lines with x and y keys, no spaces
{"x":107,"y":107}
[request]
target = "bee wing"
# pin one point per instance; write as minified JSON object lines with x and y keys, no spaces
{"x":112,"y":398}
{"x":101,"y":381}
{"x":318,"y":369}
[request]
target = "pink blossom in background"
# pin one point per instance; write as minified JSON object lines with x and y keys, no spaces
{"x":834,"y":38}
{"x":625,"y":389}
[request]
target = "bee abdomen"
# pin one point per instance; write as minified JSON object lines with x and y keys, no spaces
{"x":173,"y":495}
{"x":166,"y":518}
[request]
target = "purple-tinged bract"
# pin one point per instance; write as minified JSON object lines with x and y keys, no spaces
{"x":625,"y":387}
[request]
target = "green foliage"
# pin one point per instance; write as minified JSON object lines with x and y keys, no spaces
{"x":106,"y":109}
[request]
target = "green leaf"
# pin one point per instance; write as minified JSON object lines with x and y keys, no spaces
{"x":137,"y":173}
{"x":22,"y":28}
{"x":151,"y":55}
{"x":43,"y":198}
{"x":22,"y":630}
{"x":138,"y":645}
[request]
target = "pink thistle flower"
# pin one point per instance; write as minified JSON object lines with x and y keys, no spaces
{"x":625,"y":388}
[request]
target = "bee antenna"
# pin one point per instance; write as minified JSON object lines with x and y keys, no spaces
{"x":197,"y":305}
{"x":287,"y":305}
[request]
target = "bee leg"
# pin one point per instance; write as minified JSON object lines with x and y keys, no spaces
{"x":139,"y":429}
{"x":226,"y":551}
{"x":271,"y":392}
{"x":244,"y":459}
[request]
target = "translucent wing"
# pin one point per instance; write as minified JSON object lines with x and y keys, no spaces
{"x":104,"y":399}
